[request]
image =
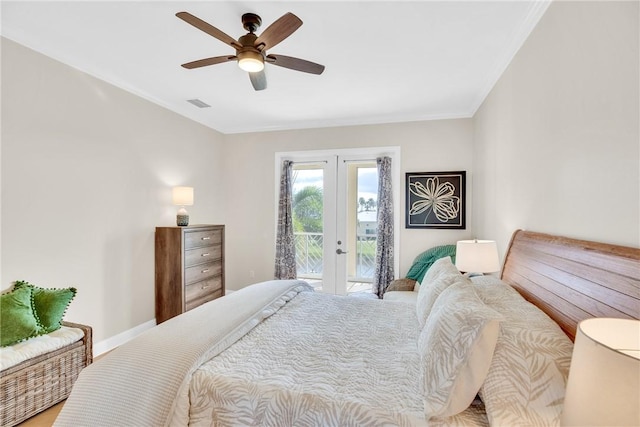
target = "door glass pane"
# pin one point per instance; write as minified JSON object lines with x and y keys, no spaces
{"x":364,"y":226}
{"x":307,"y":206}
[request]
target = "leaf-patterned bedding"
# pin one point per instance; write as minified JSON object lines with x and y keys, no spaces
{"x":321,"y":360}
{"x":271,"y":354}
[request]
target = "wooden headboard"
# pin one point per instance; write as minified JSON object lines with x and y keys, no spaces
{"x":572,"y":280}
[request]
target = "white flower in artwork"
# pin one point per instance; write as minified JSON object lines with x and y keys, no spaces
{"x":439,"y":198}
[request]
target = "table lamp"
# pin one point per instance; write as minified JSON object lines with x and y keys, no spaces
{"x":477,"y":256}
{"x":604,"y":380}
{"x":182,"y":196}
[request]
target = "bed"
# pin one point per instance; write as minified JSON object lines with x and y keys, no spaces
{"x":471,"y":352}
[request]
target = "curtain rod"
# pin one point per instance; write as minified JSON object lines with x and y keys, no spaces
{"x":361,"y":161}
{"x":310,"y":162}
{"x":315,"y":162}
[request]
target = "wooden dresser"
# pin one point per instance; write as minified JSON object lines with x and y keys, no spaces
{"x":189,"y":268}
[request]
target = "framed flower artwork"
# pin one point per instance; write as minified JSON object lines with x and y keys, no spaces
{"x":435,"y":200}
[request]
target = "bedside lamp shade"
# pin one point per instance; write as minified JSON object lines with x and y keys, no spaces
{"x":604,"y":379}
{"x":477,"y":256}
{"x":182,"y":196}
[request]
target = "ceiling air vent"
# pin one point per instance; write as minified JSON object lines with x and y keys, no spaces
{"x":198,"y":103}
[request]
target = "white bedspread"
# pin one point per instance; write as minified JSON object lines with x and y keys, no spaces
{"x":145,"y":382}
{"x":320,"y":360}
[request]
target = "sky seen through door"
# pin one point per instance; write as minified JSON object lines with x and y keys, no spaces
{"x":367,"y":181}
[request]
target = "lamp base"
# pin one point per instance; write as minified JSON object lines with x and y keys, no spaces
{"x":182,"y":220}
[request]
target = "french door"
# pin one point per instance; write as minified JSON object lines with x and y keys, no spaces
{"x":335,"y":217}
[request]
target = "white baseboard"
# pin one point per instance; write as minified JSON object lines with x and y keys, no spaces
{"x":117,"y":340}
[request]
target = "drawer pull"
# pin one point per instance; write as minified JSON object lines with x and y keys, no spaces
{"x":206,"y":238}
{"x":205,"y":286}
{"x":207,"y":254}
{"x":206,"y":270}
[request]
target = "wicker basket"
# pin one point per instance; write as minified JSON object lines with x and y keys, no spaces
{"x":39,"y":383}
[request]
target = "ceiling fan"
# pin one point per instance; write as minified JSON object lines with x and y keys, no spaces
{"x":251,"y":50}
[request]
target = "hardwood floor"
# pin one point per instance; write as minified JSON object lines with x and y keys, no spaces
{"x":44,"y":418}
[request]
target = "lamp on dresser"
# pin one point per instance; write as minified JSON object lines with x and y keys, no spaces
{"x":182,"y":196}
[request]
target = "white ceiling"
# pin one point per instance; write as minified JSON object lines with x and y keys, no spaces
{"x":385,"y":62}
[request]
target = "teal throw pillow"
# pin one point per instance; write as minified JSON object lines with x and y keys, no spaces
{"x":17,"y":319}
{"x":425,"y":260}
{"x":49,"y":305}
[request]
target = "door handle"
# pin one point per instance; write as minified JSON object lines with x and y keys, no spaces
{"x":340,"y":252}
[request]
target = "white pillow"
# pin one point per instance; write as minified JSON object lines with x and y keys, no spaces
{"x":456,"y":348}
{"x":527,"y":378}
{"x":440,"y":266}
{"x":438,"y":278}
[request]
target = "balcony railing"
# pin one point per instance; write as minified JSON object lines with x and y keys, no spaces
{"x":309,"y":256}
{"x":366,"y":257}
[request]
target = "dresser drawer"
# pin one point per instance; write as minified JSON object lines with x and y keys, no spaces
{"x":202,"y":290}
{"x":206,"y":298}
{"x":202,"y":271}
{"x":196,"y":239}
{"x":201,"y":255}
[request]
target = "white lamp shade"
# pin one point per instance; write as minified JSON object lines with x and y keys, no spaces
{"x":477,"y":256}
{"x":604,"y":380}
{"x":183,"y":196}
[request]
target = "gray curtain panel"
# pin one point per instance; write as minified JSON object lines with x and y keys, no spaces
{"x":384,"y":249}
{"x":285,"y":264}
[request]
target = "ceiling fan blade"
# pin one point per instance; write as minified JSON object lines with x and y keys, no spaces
{"x":258,"y":80}
{"x":208,"y":61}
{"x":295,"y":64}
{"x":282,"y":28}
{"x":208,"y":28}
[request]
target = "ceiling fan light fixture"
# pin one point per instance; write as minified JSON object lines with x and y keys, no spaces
{"x":251,"y":50}
{"x":250,"y":61}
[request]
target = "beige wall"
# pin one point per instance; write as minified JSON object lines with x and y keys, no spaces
{"x":556,"y":141}
{"x":86,"y":175}
{"x":425,"y":146}
{"x":86,"y":168}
